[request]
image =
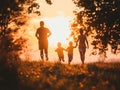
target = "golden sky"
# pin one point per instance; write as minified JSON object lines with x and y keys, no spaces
{"x":59,"y":7}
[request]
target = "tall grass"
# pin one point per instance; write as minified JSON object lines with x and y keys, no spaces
{"x":38,"y":75}
{"x":56,"y":76}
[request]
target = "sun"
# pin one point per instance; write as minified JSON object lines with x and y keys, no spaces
{"x":60,"y":28}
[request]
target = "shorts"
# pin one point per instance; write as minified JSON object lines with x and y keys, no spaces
{"x":43,"y":44}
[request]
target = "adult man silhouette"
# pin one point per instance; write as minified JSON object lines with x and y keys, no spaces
{"x":42,"y":35}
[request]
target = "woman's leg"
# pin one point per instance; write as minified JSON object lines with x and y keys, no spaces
{"x":82,"y":57}
{"x":82,"y":54}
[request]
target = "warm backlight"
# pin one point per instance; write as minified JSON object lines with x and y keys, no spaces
{"x":60,"y":28}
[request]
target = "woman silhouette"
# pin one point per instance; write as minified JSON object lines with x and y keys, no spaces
{"x":82,"y":40}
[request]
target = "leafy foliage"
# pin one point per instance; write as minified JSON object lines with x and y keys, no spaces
{"x":10,"y":14}
{"x":102,"y":18}
{"x":13,"y":14}
{"x":12,"y":17}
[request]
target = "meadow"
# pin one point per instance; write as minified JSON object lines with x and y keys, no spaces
{"x":38,"y":75}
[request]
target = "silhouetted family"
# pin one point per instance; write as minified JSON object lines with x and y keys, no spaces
{"x":42,"y":35}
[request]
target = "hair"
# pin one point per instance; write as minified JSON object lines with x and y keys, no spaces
{"x":70,"y":43}
{"x":41,"y":23}
{"x":81,"y":31}
{"x":59,"y":43}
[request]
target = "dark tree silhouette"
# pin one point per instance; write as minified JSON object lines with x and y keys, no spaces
{"x":102,"y":17}
{"x":11,"y":11}
{"x":14,"y":13}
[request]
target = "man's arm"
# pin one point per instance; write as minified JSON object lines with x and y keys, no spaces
{"x":49,"y":33}
{"x":36,"y":34}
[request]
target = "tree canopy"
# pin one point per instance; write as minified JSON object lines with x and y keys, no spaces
{"x":10,"y":10}
{"x":14,"y":12}
{"x":103,"y":17}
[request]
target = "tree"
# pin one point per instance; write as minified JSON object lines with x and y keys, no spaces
{"x":12,"y":18}
{"x":101,"y":17}
{"x":14,"y":13}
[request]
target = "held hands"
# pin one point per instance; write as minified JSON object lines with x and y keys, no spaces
{"x":76,"y":45}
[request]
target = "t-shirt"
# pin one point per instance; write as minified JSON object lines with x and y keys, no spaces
{"x":43,"y":33}
{"x":70,"y":50}
{"x":60,"y":51}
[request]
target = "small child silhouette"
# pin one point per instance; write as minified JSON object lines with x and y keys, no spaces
{"x":70,"y":51}
{"x":59,"y":51}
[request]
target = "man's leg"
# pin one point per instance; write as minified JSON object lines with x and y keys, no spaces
{"x":46,"y":53}
{"x":41,"y":54}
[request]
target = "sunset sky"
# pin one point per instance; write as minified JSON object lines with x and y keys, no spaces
{"x":58,"y":8}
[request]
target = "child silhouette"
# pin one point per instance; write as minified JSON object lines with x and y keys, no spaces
{"x":59,"y":51}
{"x":70,"y":51}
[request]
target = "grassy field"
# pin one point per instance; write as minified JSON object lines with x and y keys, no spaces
{"x":36,"y":75}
